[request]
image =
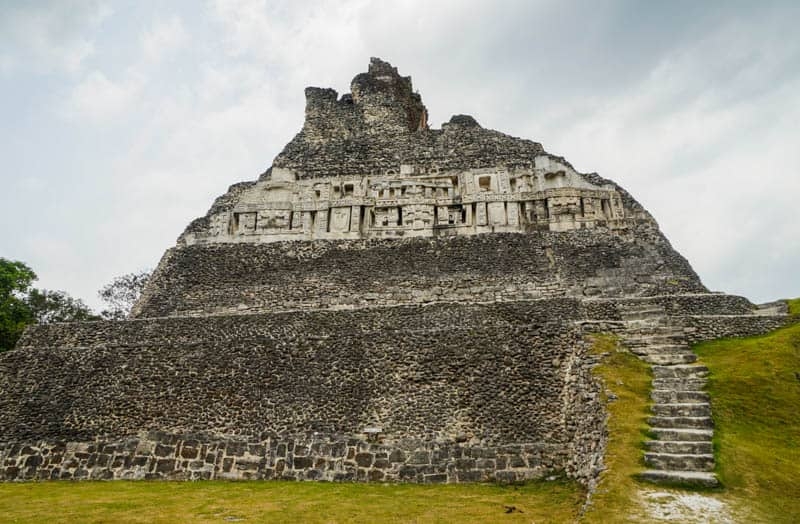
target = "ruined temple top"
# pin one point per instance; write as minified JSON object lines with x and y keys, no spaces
{"x":368,"y":165}
{"x":382,"y":123}
{"x":380,"y":102}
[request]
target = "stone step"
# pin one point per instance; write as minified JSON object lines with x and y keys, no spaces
{"x":659,"y":329}
{"x":648,"y":318}
{"x":644,"y":323}
{"x":681,"y":422}
{"x":639,"y":312}
{"x":669,"y":359}
{"x":679,"y":384}
{"x":652,"y":340}
{"x":680,"y":371}
{"x":692,"y":478}
{"x":682,"y":410}
{"x":640,"y":325}
{"x":680,"y":462}
{"x":654,"y":333}
{"x":633,"y":309}
{"x":665,"y":396}
{"x":662,"y":349}
{"x":692,"y":447}
{"x":664,"y":322}
{"x":683,"y":434}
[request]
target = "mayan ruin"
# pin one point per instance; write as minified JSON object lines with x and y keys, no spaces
{"x":388,"y":301}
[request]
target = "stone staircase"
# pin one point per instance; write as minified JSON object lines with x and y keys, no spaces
{"x":681,"y":450}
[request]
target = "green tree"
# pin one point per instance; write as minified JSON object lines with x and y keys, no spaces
{"x":15,"y":313}
{"x":57,"y":306}
{"x":21,"y":304}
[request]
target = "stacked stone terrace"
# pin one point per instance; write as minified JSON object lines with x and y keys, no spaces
{"x":387,"y":302}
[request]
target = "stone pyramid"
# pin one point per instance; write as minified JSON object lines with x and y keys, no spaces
{"x":387,"y":302}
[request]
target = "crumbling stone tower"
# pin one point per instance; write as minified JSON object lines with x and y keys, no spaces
{"x":386,"y":302}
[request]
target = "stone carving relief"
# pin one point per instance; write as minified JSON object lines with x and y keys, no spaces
{"x":245,"y":223}
{"x":340,"y":219}
{"x":410,"y":201}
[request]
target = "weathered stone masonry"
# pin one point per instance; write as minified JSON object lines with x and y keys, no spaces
{"x":454,"y":395}
{"x":387,"y":302}
{"x":226,"y":278}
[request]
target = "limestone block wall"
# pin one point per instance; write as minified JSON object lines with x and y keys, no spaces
{"x":225,"y":278}
{"x":705,"y":304}
{"x":674,"y":305}
{"x":455,"y":392}
{"x":710,"y":327}
{"x":156,"y":455}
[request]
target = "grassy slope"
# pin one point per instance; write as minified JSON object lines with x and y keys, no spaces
{"x":794,"y":307}
{"x":755,"y":396}
{"x":310,"y":502}
{"x":755,"y":392}
{"x":628,"y":378}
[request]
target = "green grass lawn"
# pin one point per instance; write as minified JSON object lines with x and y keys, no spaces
{"x":755,"y":391}
{"x":219,"y":501}
{"x":755,"y":394}
{"x":755,"y":400}
{"x":628,"y":378}
{"x":794,"y":307}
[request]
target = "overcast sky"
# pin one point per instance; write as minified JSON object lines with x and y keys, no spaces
{"x":122,"y":121}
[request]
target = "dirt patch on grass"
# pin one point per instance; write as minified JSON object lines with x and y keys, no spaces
{"x":675,"y":506}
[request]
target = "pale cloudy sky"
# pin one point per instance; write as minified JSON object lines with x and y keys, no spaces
{"x":121,"y":121}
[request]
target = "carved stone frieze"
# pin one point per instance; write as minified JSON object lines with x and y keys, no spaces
{"x":285,"y":207}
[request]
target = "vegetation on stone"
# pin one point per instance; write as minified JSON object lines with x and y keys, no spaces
{"x":626,"y":384}
{"x":754,"y":392}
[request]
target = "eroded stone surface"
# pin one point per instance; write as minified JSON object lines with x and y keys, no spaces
{"x":452,"y":378}
{"x":671,"y":506}
{"x":367,"y":165}
{"x":220,"y":278}
{"x":387,"y":302}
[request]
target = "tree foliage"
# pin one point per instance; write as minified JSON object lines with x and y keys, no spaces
{"x":21,"y":304}
{"x":15,"y":314}
{"x":122,"y":293}
{"x":57,"y":306}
